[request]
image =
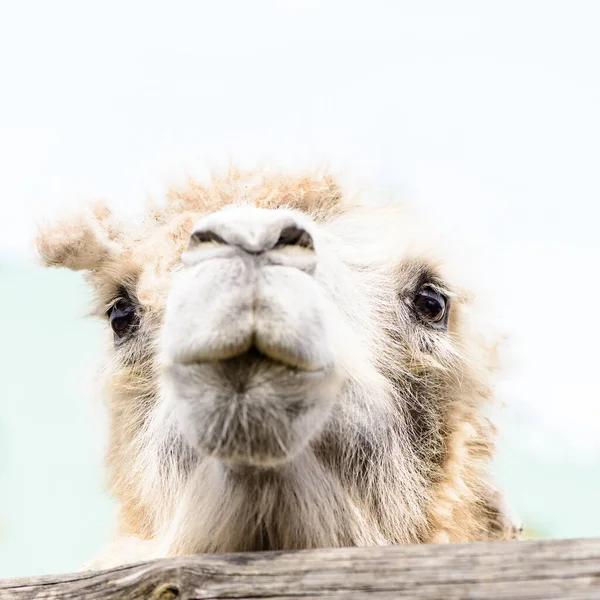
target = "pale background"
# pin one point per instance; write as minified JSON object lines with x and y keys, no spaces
{"x":486,"y":114}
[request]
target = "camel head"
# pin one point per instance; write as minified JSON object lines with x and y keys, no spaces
{"x":286,"y":368}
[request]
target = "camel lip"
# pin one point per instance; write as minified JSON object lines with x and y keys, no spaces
{"x":249,"y":357}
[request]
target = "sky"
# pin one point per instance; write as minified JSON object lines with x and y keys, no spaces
{"x":483,"y":114}
{"x":486,"y":111}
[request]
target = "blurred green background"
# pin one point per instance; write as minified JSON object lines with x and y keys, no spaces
{"x":53,"y":509}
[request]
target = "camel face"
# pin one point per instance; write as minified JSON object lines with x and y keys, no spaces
{"x":286,"y":369}
{"x":250,"y":368}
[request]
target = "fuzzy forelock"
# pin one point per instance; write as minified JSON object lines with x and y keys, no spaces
{"x":94,"y":238}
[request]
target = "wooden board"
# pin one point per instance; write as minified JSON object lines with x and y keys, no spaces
{"x":565,"y":569}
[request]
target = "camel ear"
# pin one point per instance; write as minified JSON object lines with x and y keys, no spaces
{"x":79,"y":242}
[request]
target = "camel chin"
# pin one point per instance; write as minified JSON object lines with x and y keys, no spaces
{"x":250,"y":410}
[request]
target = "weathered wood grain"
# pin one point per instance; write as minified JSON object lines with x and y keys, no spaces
{"x":565,"y":569}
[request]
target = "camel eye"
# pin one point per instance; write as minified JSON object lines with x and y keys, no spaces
{"x":431,"y":304}
{"x":123,"y":318}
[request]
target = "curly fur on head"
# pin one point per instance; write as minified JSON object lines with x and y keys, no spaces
{"x":80,"y":242}
{"x":279,"y":388}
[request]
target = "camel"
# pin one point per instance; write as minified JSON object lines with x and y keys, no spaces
{"x":288,"y":366}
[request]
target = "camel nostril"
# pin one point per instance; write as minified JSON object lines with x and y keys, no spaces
{"x":200,"y":237}
{"x":295,"y":236}
{"x":253,"y":232}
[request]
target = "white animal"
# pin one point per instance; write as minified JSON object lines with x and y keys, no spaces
{"x":288,"y":369}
